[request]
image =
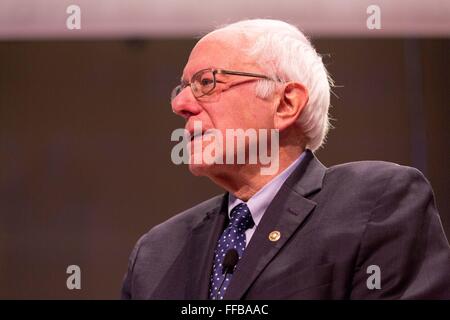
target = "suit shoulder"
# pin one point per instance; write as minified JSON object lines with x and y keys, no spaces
{"x":176,"y":227}
{"x":371,"y":171}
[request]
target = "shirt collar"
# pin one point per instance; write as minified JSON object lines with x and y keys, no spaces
{"x":259,"y":202}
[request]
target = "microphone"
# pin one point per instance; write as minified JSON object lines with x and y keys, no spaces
{"x":229,"y":262}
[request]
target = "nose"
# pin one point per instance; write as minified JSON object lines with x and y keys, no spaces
{"x":185,"y":104}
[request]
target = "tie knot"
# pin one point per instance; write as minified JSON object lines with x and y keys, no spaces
{"x":241,"y":217}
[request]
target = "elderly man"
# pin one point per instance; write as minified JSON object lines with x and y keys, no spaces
{"x":362,"y":230}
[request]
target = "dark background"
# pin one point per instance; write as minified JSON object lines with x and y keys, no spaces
{"x":85,"y":145}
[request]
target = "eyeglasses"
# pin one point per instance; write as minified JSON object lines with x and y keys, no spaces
{"x":204,"y":81}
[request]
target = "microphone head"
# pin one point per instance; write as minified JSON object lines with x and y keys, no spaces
{"x":230,"y":261}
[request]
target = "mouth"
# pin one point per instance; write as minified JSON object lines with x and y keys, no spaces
{"x":198,"y":135}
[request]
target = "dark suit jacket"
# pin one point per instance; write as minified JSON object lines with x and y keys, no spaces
{"x":334,"y":223}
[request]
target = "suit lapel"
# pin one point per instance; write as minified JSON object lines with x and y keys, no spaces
{"x":200,"y":251}
{"x":188,"y":277}
{"x":285,"y":214}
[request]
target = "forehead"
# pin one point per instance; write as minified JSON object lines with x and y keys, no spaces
{"x":218,"y":51}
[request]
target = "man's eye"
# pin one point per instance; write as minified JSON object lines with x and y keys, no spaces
{"x":206,"y":81}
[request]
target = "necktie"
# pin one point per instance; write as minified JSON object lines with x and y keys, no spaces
{"x":233,"y":237}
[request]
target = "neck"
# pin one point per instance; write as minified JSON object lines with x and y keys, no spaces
{"x":243,"y":181}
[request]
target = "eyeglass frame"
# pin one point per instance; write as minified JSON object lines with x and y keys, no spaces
{"x":182,"y":85}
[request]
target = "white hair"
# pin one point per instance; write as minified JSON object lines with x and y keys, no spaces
{"x":284,"y":52}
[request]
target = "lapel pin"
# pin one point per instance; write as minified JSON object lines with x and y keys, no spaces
{"x":274,"y":236}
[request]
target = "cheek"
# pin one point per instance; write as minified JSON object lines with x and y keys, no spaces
{"x":230,"y":120}
{"x":256,"y":112}
{"x":258,"y":115}
{"x":242,"y":110}
{"x":227,"y":116}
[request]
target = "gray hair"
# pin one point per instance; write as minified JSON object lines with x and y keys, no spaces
{"x":284,"y":52}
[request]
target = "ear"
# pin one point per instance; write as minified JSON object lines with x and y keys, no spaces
{"x":294,"y":98}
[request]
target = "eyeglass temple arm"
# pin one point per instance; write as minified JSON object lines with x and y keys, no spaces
{"x":239,"y":73}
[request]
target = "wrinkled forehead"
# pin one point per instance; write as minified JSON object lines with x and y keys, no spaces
{"x":221,"y":50}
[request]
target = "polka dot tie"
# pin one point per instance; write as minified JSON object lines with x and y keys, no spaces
{"x":233,"y":237}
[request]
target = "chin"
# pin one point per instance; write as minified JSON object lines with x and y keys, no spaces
{"x":201,"y":168}
{"x":198,"y":169}
{"x":204,"y":170}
